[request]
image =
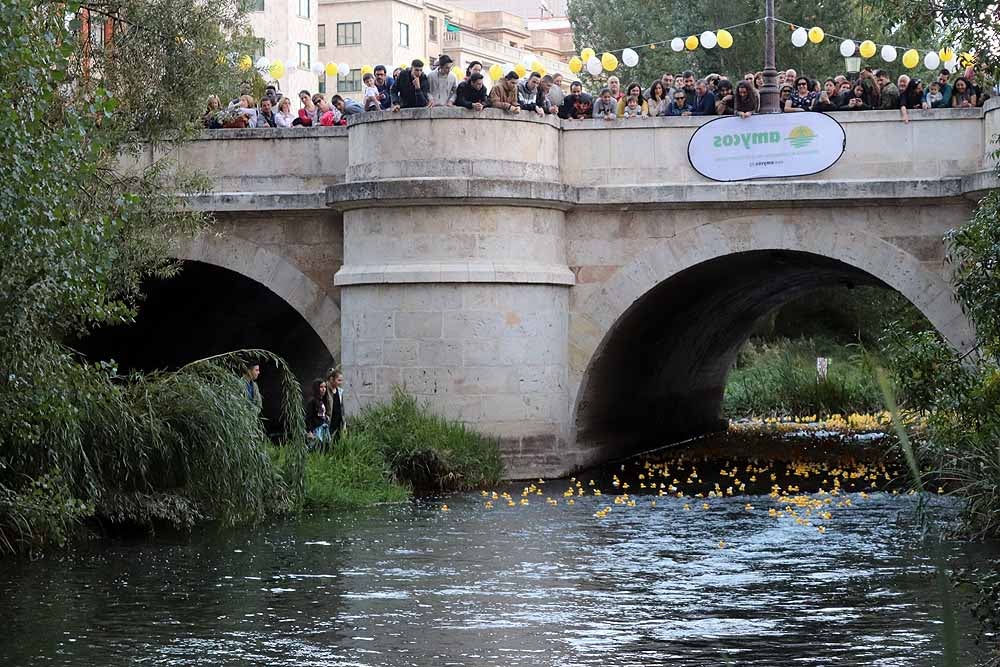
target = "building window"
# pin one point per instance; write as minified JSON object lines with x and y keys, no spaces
{"x":350,"y":83}
{"x":321,"y":38}
{"x":432,"y":28}
{"x":305,"y":61}
{"x":322,"y":83}
{"x":349,"y":34}
{"x":404,"y":35}
{"x":260,"y":46}
{"x":304,"y":8}
{"x":255,"y":5}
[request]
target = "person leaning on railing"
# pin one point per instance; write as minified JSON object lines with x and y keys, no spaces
{"x":504,"y":94}
{"x":471,"y":93}
{"x":412,"y":89}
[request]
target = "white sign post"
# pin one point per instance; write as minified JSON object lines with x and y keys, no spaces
{"x":766,"y":146}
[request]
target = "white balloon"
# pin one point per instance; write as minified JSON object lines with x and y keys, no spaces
{"x":343,"y":69}
{"x":594,"y":66}
{"x":630,"y":58}
{"x":932,"y":60}
{"x":847,"y":48}
{"x":800,"y":37}
{"x":677,"y":44}
{"x":263,"y":62}
{"x":292,"y":66}
{"x":317,"y":68}
{"x":888,"y":53}
{"x":528,"y":59}
{"x":951,"y":65}
{"x":708,"y":39}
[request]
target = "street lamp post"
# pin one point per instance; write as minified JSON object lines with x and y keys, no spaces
{"x":769,"y":91}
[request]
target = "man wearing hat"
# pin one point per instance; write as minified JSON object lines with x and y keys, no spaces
{"x":504,"y":94}
{"x":443,"y":83}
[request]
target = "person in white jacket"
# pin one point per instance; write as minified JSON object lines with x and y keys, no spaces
{"x":443,"y":84}
{"x":284,"y":116}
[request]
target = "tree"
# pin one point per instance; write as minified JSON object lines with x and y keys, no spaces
{"x":635,"y":22}
{"x":81,"y":224}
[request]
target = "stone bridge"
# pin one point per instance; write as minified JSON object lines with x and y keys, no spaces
{"x":573,"y":287}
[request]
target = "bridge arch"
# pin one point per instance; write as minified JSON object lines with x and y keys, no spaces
{"x":650,"y":351}
{"x":275,"y":273}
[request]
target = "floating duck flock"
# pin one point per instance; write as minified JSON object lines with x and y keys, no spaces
{"x":803,"y":492}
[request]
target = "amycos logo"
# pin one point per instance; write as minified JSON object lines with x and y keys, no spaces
{"x":800,"y":136}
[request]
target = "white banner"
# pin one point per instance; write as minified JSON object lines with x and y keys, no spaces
{"x":766,"y":146}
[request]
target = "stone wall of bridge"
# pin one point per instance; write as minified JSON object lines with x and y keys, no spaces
{"x":555,"y":281}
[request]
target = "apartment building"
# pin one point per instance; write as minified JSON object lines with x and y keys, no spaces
{"x":394,"y":32}
{"x":286,"y":30}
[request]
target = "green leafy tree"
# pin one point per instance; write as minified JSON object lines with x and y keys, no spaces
{"x":83,"y":221}
{"x":634,"y":22}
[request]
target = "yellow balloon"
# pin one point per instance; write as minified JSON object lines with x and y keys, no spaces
{"x":331,"y":69}
{"x":246,"y":62}
{"x":691,"y":43}
{"x":609,"y":62}
{"x":587,"y":54}
{"x":575,"y":65}
{"x":867,"y":48}
{"x":277,"y":69}
{"x":541,"y":69}
{"x":496,"y":72}
{"x":946,"y":54}
{"x":521,"y":70}
{"x":816,"y":35}
{"x":967,"y":60}
{"x":457,"y":71}
{"x":367,"y":69}
{"x":725,"y":38}
{"x":911,"y":58}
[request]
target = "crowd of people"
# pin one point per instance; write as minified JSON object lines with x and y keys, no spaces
{"x":673,"y":94}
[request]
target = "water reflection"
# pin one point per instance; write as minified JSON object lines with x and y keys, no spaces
{"x":534,"y":585}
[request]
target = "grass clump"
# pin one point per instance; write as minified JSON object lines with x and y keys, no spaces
{"x":779,"y":378}
{"x":394,"y":449}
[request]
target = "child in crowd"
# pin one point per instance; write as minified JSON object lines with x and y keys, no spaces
{"x":605,"y":107}
{"x":632,"y":108}
{"x":370,"y":93}
{"x":934,"y":94}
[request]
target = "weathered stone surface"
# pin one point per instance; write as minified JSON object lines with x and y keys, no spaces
{"x":572,"y":287}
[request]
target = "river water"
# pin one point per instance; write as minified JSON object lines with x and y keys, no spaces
{"x":545,"y":583}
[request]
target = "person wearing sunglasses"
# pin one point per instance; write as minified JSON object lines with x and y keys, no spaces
{"x":802,"y":97}
{"x":680,"y":105}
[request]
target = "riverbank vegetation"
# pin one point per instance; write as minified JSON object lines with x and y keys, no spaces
{"x":397,"y":448}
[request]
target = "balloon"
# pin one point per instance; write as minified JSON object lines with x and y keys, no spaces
{"x":587,"y":54}
{"x":816,"y":34}
{"x":609,"y":62}
{"x":630,"y":58}
{"x":724,"y":38}
{"x":263,"y":62}
{"x":521,"y":70}
{"x":946,"y":54}
{"x":246,"y":62}
{"x":541,"y":69}
{"x":800,"y":37}
{"x":691,"y":43}
{"x":931,"y":60}
{"x":677,"y":44}
{"x":332,"y":69}
{"x":967,"y":60}
{"x":292,"y":66}
{"x":368,"y":69}
{"x":911,"y":58}
{"x":708,"y":39}
{"x":277,"y":69}
{"x":951,"y":65}
{"x":575,"y":65}
{"x":496,"y":72}
{"x":847,"y":48}
{"x":527,"y":59}
{"x":536,"y":66}
{"x":345,"y":70}
{"x":457,"y":71}
{"x":594,"y":66}
{"x":888,"y":53}
{"x":867,"y":48}
{"x":317,"y":68}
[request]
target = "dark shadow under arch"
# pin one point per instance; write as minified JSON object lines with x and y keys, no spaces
{"x":208,"y":310}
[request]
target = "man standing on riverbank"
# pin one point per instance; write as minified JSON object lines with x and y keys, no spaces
{"x":335,"y":402}
{"x":250,"y":380}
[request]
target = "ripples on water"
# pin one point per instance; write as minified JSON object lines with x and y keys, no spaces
{"x":535,"y":585}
